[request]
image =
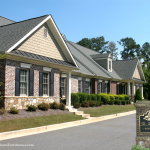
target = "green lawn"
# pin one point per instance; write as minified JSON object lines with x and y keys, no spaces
{"x":16,"y":124}
{"x":108,"y":110}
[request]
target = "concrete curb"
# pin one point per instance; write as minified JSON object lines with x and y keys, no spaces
{"x":42,"y":129}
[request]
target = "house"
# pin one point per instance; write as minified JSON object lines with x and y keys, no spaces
{"x":39,"y":65}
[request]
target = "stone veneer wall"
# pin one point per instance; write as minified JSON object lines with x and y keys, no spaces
{"x":21,"y":102}
{"x":74,"y":84}
{"x":142,"y":138}
{"x":113,"y":87}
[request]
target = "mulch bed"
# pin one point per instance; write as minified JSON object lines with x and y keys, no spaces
{"x":27,"y":114}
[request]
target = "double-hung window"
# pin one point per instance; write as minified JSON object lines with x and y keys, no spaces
{"x":80,"y":86}
{"x":45,"y":84}
{"x":99,"y":87}
{"x":87,"y":87}
{"x":24,"y":82}
{"x":63,"y":86}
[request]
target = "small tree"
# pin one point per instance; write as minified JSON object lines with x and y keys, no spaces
{"x":138,"y":95}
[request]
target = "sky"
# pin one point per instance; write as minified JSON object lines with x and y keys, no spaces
{"x":77,"y":19}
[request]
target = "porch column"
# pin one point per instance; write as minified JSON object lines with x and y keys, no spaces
{"x":68,"y":96}
{"x":141,"y":88}
{"x":128,"y":89}
{"x":133,"y":89}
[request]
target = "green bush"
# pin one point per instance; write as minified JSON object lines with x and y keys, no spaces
{"x":92,"y":103}
{"x":137,"y":147}
{"x":75,"y":98}
{"x":85,"y":104}
{"x":2,"y":111}
{"x":117,"y":102}
{"x":138,"y":95}
{"x":43,"y":106}
{"x":13,"y":110}
{"x":98,"y":103}
{"x":31,"y":108}
{"x":76,"y":105}
{"x":54,"y":105}
{"x":62,"y":106}
{"x":105,"y":98}
{"x":1,"y":101}
{"x":123,"y":102}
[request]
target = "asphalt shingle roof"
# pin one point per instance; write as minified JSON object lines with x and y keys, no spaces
{"x":5,"y":21}
{"x":85,"y":56}
{"x":10,"y":34}
{"x":125,"y":68}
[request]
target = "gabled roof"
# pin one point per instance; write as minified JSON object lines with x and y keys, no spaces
{"x":125,"y":68}
{"x":12,"y":35}
{"x":83,"y":55}
{"x":5,"y":21}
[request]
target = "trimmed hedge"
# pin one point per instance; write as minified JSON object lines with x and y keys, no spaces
{"x":94,"y":100}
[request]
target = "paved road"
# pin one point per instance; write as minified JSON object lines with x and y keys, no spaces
{"x":114,"y":134}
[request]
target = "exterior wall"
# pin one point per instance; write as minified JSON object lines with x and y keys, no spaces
{"x":21,"y":102}
{"x":113,"y":87}
{"x":74,"y":84}
{"x":45,"y":46}
{"x":57,"y":84}
{"x":137,"y":74}
{"x":2,"y":77}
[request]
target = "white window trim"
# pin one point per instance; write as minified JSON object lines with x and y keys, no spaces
{"x":46,"y":95}
{"x":24,"y":65}
{"x":26,"y":95}
{"x":47,"y":69}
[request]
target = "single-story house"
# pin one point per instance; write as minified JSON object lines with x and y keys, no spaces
{"x":39,"y":65}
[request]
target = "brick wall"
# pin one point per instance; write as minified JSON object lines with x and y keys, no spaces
{"x":113,"y":87}
{"x":74,"y":84}
{"x":21,"y":102}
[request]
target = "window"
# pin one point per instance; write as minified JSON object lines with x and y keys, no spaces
{"x":99,"y":87}
{"x":109,"y":65}
{"x":87,"y":87}
{"x":23,"y":82}
{"x":45,"y":32}
{"x":45,"y":84}
{"x":80,"y":86}
{"x":63,"y":87}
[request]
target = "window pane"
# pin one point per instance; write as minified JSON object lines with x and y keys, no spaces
{"x":45,"y":83}
{"x":23,"y":82}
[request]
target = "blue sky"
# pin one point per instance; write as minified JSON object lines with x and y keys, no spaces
{"x":113,"y":19}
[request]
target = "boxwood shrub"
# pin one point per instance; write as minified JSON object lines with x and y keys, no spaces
{"x":94,"y":100}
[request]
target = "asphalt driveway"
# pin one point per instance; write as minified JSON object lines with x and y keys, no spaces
{"x":114,"y":134}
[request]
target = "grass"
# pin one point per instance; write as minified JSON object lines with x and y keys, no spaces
{"x":137,"y":147}
{"x":108,"y":110}
{"x":17,"y":124}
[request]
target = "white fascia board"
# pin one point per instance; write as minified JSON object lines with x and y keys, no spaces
{"x":28,"y":34}
{"x":25,"y":65}
{"x":63,"y":41}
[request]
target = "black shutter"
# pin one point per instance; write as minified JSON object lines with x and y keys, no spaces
{"x":83,"y":85}
{"x":17,"y":82}
{"x":31,"y":82}
{"x":40,"y":84}
{"x":51,"y":88}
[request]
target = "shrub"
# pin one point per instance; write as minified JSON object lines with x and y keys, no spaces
{"x":75,"y":98}
{"x":43,"y":106}
{"x":117,"y":102}
{"x":92,"y":103}
{"x":98,"y":103}
{"x":54,"y":105}
{"x":105,"y":98}
{"x":76,"y":105}
{"x":138,"y":95}
{"x":31,"y":108}
{"x":62,"y":106}
{"x":137,"y":147}
{"x":2,"y":111}
{"x":123,"y":102}
{"x":1,"y":101}
{"x":93,"y":97}
{"x":85,"y":104}
{"x":13,"y":110}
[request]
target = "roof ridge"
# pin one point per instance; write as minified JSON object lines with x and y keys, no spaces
{"x":6,"y":18}
{"x":100,"y":67}
{"x":24,"y":20}
{"x":126,"y":60}
{"x":84,"y":47}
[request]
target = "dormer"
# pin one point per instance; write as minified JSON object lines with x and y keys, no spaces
{"x":104,"y":60}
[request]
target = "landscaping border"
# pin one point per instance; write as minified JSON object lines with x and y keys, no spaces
{"x":42,"y":129}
